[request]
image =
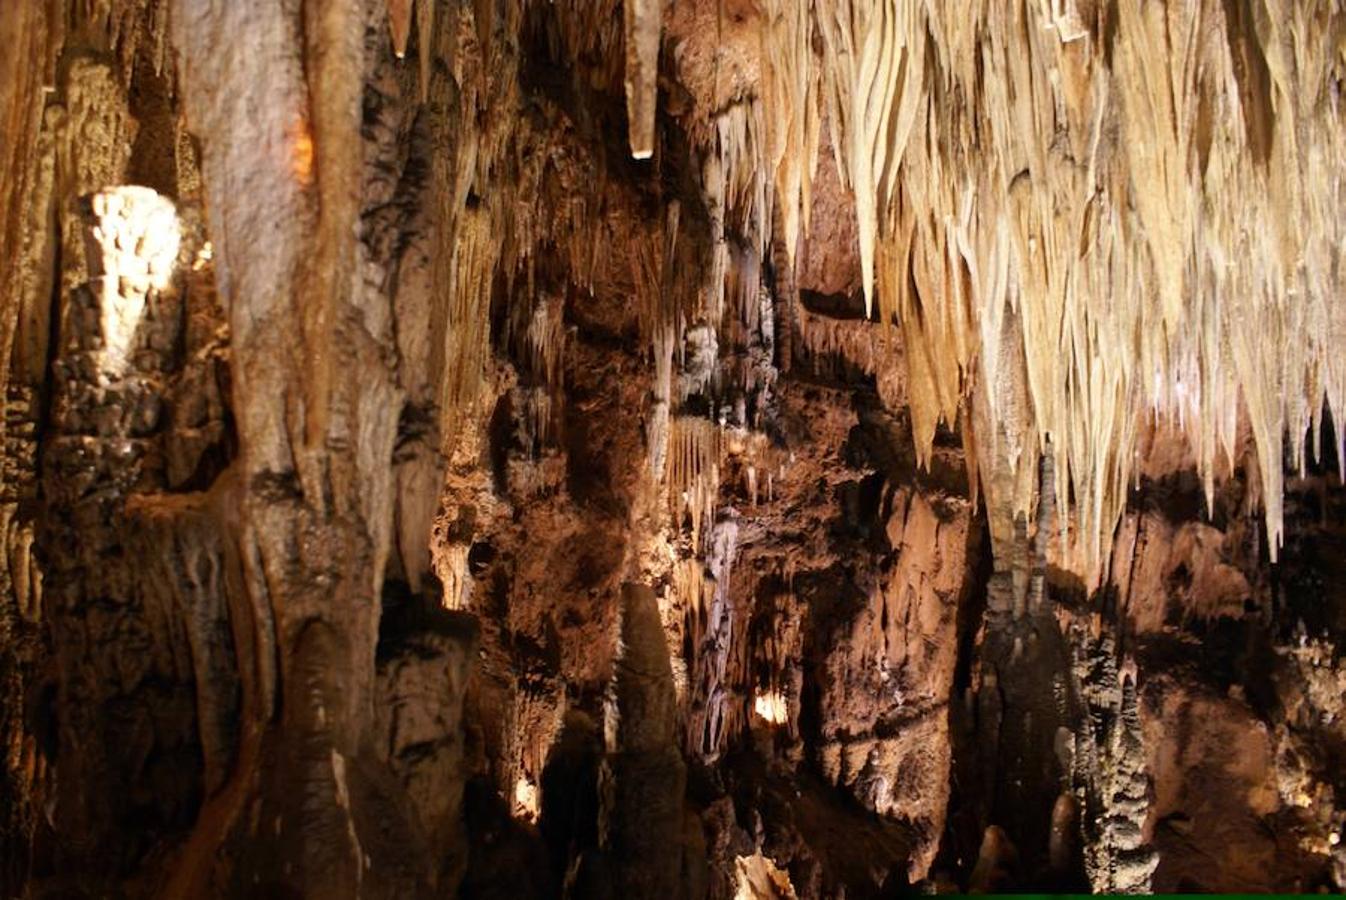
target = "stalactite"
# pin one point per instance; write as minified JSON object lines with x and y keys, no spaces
{"x":659,"y":425}
{"x":738,"y":193}
{"x":779,"y":654}
{"x":873,"y":75}
{"x":694,"y":453}
{"x":790,"y":89}
{"x":483,"y":236}
{"x":743,"y":287}
{"x":877,"y":352}
{"x":466,"y":327}
{"x":545,"y":338}
{"x":643,"y":26}
{"x":425,"y":26}
{"x":400,"y":16}
{"x":399,"y":23}
{"x":1144,"y":217}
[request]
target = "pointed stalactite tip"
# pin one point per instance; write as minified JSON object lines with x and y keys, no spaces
{"x":399,"y":23}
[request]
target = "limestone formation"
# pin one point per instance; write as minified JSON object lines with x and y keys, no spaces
{"x":671,"y":448}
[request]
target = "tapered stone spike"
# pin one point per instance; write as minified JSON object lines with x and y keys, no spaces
{"x":642,"y":19}
{"x":399,"y":22}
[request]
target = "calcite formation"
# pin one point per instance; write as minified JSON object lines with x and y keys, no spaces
{"x":671,"y":448}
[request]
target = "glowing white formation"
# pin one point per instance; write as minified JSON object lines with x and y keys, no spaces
{"x":138,"y":239}
{"x":771,"y":707}
{"x":526,"y":799}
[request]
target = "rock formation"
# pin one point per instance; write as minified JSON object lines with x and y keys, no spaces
{"x":671,"y":448}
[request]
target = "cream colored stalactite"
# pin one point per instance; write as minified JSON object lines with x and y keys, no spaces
{"x":1081,"y":306}
{"x":741,"y":134}
{"x":713,"y":179}
{"x":467,"y":323}
{"x":827,"y":336}
{"x":904,"y":280}
{"x":1079,"y":370}
{"x":1321,"y":198}
{"x":1268,"y":248}
{"x":1294,"y":47}
{"x":743,"y":285}
{"x":1037,"y":228}
{"x":546,"y":340}
{"x":1156,"y":267}
{"x":1326,"y":257}
{"x":873,"y":77}
{"x":1094,"y":427}
{"x":662,"y":401}
{"x":693,"y":472}
{"x":451,"y":568}
{"x":790,"y":89}
{"x":922,"y":282}
{"x":691,"y":584}
{"x":663,"y":322}
{"x":738,"y":194}
{"x":956,"y":33}
{"x":1001,"y":419}
{"x":1204,"y":394}
{"x":1155,"y":57}
{"x":1222,"y":290}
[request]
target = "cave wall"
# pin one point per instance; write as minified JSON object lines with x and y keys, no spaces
{"x":450,"y":448}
